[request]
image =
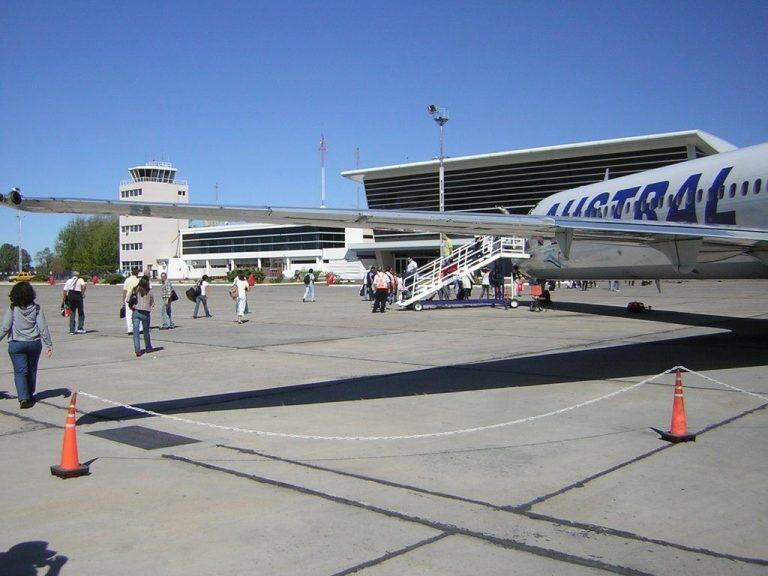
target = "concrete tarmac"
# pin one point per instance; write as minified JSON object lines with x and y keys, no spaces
{"x":533,"y":479}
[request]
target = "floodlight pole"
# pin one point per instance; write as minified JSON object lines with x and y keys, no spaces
{"x":18,"y":219}
{"x":440,"y":115}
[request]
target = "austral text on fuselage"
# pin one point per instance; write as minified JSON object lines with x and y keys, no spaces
{"x":681,"y":207}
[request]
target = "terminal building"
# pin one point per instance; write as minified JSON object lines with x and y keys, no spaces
{"x":159,"y":245}
{"x":513,"y":181}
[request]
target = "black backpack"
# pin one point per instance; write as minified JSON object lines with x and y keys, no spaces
{"x":306,"y":279}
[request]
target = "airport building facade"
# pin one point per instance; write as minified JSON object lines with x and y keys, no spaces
{"x":157,"y":245}
{"x":145,"y":242}
{"x":513,"y":181}
{"x":277,"y":250}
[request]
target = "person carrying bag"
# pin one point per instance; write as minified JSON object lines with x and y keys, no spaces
{"x":24,"y":324}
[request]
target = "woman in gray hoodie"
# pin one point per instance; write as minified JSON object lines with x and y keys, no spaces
{"x":25,"y":322}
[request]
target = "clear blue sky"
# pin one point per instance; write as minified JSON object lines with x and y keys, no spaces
{"x":239,"y":92}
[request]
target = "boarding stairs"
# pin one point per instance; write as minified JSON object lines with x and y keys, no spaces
{"x":470,"y":257}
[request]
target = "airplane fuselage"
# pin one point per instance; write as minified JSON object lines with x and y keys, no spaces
{"x":722,"y":190}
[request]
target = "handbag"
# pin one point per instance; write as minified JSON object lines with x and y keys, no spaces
{"x":191,"y":294}
{"x":233,"y":292}
{"x":174,"y":296}
{"x":122,"y":311}
{"x":133,"y":300}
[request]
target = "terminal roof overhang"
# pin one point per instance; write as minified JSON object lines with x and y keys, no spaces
{"x":705,"y":142}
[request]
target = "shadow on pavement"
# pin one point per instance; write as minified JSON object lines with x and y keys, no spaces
{"x":741,"y":344}
{"x":25,"y":558}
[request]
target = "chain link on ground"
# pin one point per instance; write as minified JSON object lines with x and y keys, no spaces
{"x":416,"y":436}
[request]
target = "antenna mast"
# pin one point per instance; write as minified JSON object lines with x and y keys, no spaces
{"x":322,"y":171}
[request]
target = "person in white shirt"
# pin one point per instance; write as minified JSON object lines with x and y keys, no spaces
{"x":74,"y":292}
{"x":401,"y":289}
{"x":242,"y":287}
{"x":486,"y":283}
{"x":410,"y":273}
{"x":202,"y":296}
{"x":128,"y":286}
{"x":309,"y":282}
{"x":381,"y":285}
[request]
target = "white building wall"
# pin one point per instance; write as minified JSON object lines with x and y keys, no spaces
{"x":150,"y":241}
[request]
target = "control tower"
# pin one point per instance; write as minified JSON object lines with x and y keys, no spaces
{"x":147,"y":242}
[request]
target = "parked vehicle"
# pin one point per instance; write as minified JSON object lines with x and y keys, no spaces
{"x":21,"y":277}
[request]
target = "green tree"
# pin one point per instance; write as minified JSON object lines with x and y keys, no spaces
{"x":43,"y":261}
{"x":9,"y":258}
{"x":89,"y":245}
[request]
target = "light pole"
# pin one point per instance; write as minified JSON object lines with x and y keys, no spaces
{"x":18,"y":219}
{"x":440,"y":115}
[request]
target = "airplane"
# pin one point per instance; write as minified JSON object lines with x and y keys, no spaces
{"x":705,"y":218}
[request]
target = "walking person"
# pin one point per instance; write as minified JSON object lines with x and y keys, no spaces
{"x":128,"y":286}
{"x":401,"y":289}
{"x":466,"y":281}
{"x":74,"y":292}
{"x":202,"y":296}
{"x":497,"y":281}
{"x":25,"y":324}
{"x":485,"y":282}
{"x":410,"y":273}
{"x":142,"y":301}
{"x":241,"y":300}
{"x":392,"y":284}
{"x":446,"y":248}
{"x":369,"y":292}
{"x":309,"y":282}
{"x":166,"y":308}
{"x":381,"y":286}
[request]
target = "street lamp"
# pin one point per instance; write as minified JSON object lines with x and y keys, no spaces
{"x":440,"y":115}
{"x":16,"y":192}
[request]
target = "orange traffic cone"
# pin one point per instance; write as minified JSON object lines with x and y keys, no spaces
{"x":70,"y":466}
{"x":678,"y":431}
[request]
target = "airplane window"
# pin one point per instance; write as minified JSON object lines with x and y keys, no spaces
{"x":699,"y":195}
{"x":744,"y":188}
{"x":731,"y":191}
{"x":758,"y":185}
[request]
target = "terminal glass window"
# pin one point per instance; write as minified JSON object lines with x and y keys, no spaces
{"x":262,"y":240}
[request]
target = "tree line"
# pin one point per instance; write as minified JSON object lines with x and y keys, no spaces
{"x":88,"y":245}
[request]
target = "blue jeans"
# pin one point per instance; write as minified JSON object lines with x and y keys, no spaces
{"x":204,"y":300}
{"x":309,"y":293}
{"x":141,"y":320}
{"x":165,"y":310}
{"x":24,"y":357}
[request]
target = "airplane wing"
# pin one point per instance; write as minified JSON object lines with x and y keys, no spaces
{"x":681,"y":243}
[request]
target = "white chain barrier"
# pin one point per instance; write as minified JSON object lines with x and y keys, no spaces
{"x":415,"y":436}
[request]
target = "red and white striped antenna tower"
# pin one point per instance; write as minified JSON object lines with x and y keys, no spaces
{"x":322,"y":171}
